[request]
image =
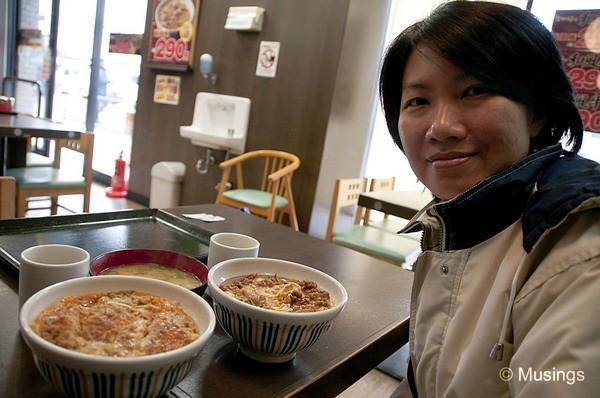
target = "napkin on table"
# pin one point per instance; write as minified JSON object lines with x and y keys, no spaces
{"x":204,"y":217}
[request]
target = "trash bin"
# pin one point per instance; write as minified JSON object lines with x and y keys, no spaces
{"x":165,"y":187}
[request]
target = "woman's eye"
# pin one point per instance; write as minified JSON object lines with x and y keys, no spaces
{"x":476,"y":90}
{"x":415,"y":102}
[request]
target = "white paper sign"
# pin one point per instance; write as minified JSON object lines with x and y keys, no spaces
{"x":268,"y":55}
{"x":166,"y":89}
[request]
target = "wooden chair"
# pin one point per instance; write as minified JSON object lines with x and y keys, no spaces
{"x":33,"y":159}
{"x":274,"y":195}
{"x":35,"y":182}
{"x":7,"y":197}
{"x":376,"y":242}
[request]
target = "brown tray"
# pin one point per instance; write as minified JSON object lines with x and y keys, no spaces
{"x":100,"y":233}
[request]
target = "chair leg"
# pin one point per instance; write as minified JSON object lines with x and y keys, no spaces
{"x":53,"y":205}
{"x":293,"y":220}
{"x":86,"y":203}
{"x":21,"y":205}
{"x":271,"y":215}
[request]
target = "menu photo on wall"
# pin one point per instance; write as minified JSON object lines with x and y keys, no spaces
{"x":578,"y":36}
{"x":174,"y":26}
{"x":167,"y":89}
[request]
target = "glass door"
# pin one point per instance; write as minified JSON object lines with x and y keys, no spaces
{"x":117,"y":81}
{"x":87,"y":81}
{"x":74,"y":53}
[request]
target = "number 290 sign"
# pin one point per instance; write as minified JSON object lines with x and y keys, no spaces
{"x":578,"y":35}
{"x":173,"y":31}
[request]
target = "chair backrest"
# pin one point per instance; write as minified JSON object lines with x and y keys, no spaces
{"x":382,"y":184}
{"x":7,"y":197}
{"x":345,"y":193}
{"x":83,"y":145}
{"x":377,"y":185}
{"x":15,"y":82}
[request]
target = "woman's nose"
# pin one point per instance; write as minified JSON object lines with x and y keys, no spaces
{"x":446,"y":124}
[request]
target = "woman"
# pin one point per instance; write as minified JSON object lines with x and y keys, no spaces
{"x":504,"y":295}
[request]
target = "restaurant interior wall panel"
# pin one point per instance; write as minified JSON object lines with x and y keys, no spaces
{"x":289,"y":112}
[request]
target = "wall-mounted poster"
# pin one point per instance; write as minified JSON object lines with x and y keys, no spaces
{"x":166,"y":89}
{"x":174,"y":25}
{"x":578,"y":35}
{"x":124,"y":43}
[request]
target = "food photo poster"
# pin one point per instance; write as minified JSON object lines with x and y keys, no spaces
{"x":174,"y":26}
{"x":578,"y":36}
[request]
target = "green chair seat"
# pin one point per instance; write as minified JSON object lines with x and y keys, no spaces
{"x":255,"y":197}
{"x":394,"y":226}
{"x":36,"y":160}
{"x":44,"y":178}
{"x":377,"y":242}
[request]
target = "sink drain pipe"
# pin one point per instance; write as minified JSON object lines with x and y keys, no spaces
{"x":202,"y":165}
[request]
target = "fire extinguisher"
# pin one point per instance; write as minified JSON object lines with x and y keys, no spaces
{"x":118,"y":183}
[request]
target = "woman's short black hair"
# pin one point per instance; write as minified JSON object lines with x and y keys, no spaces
{"x":504,"y":47}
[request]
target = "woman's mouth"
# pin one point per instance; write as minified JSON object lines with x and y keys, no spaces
{"x":451,"y":159}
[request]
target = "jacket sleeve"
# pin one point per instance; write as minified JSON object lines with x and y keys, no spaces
{"x":556,"y":328}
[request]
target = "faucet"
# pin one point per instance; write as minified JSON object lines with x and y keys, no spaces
{"x":225,"y":107}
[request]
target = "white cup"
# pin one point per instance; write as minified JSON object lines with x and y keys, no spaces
{"x":225,"y":245}
{"x":45,"y":265}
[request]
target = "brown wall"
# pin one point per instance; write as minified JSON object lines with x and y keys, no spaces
{"x":289,"y":112}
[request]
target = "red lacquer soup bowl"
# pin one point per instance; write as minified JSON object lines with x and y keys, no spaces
{"x":165,"y":265}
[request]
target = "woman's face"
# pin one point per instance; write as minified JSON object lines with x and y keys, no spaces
{"x":454,"y":130}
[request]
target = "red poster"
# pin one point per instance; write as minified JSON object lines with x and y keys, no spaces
{"x":173,"y":31}
{"x":578,"y":35}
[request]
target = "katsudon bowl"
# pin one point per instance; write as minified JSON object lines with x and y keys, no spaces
{"x":78,"y":374}
{"x":269,"y":335}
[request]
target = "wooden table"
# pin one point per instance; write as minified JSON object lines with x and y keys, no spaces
{"x":25,"y":126}
{"x":403,"y":204}
{"x":373,"y":325}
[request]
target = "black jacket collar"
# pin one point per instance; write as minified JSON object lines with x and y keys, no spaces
{"x":566,"y":184}
{"x":495,"y":203}
{"x":561,"y":182}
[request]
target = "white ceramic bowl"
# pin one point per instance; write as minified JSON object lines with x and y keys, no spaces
{"x":168,"y":3}
{"x":268,"y":335}
{"x":84,"y":375}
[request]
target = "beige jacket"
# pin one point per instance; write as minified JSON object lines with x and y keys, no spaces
{"x":497,"y":320}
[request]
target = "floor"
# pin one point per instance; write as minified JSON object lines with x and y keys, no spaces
{"x":99,"y":203}
{"x":378,"y":383}
{"x":375,"y":384}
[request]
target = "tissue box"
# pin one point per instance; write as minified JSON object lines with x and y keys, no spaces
{"x":248,"y":19}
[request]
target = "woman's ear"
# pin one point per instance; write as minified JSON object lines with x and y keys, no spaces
{"x":536,"y":124}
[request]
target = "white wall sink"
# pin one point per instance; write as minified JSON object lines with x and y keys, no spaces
{"x":219,"y":122}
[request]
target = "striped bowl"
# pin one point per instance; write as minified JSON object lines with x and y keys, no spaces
{"x":268,"y":335}
{"x":84,"y":375}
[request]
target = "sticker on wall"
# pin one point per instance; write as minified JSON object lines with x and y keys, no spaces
{"x":268,"y":56}
{"x":166,"y":89}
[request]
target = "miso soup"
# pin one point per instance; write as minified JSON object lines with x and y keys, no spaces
{"x":156,"y":271}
